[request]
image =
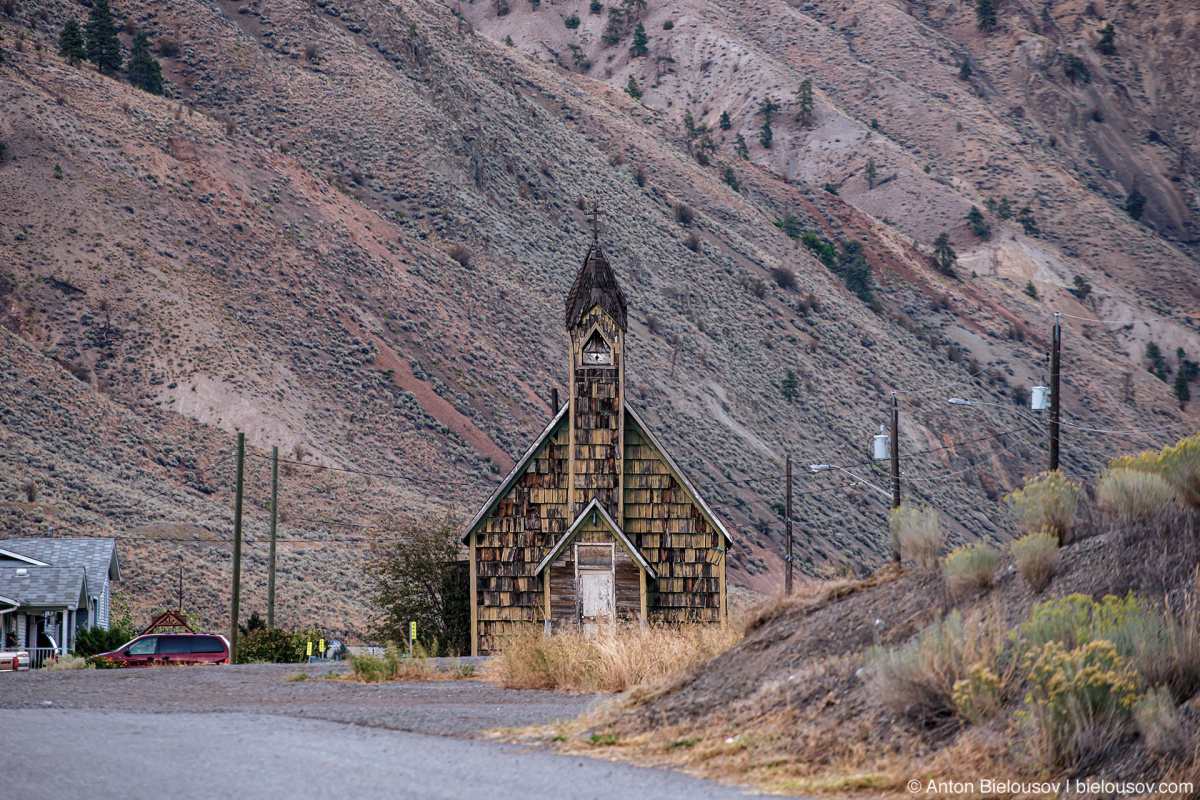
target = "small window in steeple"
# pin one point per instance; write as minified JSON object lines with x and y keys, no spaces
{"x":597,"y":352}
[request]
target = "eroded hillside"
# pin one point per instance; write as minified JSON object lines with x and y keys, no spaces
{"x":350,"y":228}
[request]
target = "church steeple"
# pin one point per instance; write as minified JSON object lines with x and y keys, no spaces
{"x":597,"y":318}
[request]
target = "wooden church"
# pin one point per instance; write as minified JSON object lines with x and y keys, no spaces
{"x":596,"y":522}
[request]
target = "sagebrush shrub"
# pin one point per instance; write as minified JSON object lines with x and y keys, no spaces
{"x":979,"y":696}
{"x":917,"y":533}
{"x":1158,"y":723}
{"x":1177,"y":464}
{"x":921,"y":679}
{"x":1079,"y":700}
{"x":1047,"y":501}
{"x":1037,"y":558}
{"x":971,"y":567}
{"x":1133,"y":494}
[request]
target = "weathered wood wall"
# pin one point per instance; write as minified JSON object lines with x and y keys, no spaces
{"x":665,"y":523}
{"x":514,"y":538}
{"x":562,"y":578}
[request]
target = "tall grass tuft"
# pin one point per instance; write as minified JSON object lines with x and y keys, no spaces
{"x":1047,"y":502}
{"x":917,"y":532}
{"x":1037,"y":558}
{"x":1132,"y":494}
{"x":391,"y":666}
{"x":971,"y":567}
{"x":609,"y":659}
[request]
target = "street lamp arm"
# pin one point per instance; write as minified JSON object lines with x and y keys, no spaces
{"x":824,"y":467}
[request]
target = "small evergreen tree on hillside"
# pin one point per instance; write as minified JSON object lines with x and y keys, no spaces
{"x":766,"y":136}
{"x":790,"y":388}
{"x":1107,"y":44}
{"x":640,"y":40}
{"x":739,"y":147}
{"x":1158,"y":363}
{"x":985,"y":14}
{"x":103,"y":46}
{"x":856,"y":272}
{"x":70,"y":43}
{"x":1135,"y":204}
{"x":944,"y":255}
{"x":632,"y":89}
{"x":725,"y":122}
{"x":964,"y":71}
{"x":144,"y":70}
{"x":978,"y":226}
{"x":804,"y":103}
{"x":871,"y":173}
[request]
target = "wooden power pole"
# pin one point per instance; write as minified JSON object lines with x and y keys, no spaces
{"x":1055,"y":360}
{"x":895,"y":447}
{"x":274,"y":522}
{"x":237,"y":550}
{"x":787,"y":570}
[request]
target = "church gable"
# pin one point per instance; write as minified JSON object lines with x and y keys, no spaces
{"x":673,"y":529}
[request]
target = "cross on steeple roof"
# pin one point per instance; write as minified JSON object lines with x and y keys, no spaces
{"x":595,"y":284}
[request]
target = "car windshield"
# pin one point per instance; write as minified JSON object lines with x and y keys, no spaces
{"x":143,"y":647}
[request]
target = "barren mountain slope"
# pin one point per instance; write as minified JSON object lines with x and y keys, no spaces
{"x":267,"y":250}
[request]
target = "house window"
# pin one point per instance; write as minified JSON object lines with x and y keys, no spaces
{"x":597,"y":352}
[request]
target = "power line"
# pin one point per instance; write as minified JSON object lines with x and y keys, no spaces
{"x":969,"y":441}
{"x":1131,"y":321}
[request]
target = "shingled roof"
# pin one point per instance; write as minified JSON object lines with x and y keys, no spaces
{"x":45,"y":587}
{"x":596,"y":285}
{"x":98,"y":556}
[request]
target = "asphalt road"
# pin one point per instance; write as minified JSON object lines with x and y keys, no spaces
{"x":249,"y":731}
{"x":115,"y":754}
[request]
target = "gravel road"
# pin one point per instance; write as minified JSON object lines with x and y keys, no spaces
{"x":247,"y":731}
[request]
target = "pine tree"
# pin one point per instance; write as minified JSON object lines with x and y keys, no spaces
{"x":978,"y":226}
{"x":144,"y":70}
{"x":1135,"y":204}
{"x":871,"y":172}
{"x":1158,"y":364}
{"x":804,"y":103}
{"x":103,"y":46}
{"x":739,"y":146}
{"x":964,"y":72}
{"x":790,"y":388}
{"x":944,"y":255}
{"x":730,"y":178}
{"x":856,"y":272}
{"x":985,"y":14}
{"x":638,"y":48}
{"x":1107,"y":44}
{"x":725,"y":122}
{"x":632,"y":89}
{"x":70,"y":43}
{"x":1028,"y":222}
{"x":766,"y":136}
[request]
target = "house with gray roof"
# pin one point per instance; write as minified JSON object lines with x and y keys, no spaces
{"x":54,"y":589}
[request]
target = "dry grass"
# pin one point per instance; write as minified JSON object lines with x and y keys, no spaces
{"x":393,"y":666}
{"x":918,"y":534}
{"x":1132,"y":494}
{"x":610,"y":659}
{"x":69,"y":661}
{"x":1037,"y":558}
{"x":970,"y":568}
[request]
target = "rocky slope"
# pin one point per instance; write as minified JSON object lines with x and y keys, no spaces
{"x":350,"y":228}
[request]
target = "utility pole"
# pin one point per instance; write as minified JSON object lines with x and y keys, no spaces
{"x":274,"y":520}
{"x":895,"y":442}
{"x":787,"y":573}
{"x":1055,"y":361}
{"x":181,"y":584}
{"x":237,"y":550}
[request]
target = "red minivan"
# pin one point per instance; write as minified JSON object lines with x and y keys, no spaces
{"x":172,"y":649}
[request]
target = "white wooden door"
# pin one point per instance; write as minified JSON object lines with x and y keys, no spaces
{"x":596,"y":593}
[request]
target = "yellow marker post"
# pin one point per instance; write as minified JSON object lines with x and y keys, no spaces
{"x":412,"y":635}
{"x":321,"y":649}
{"x":310,"y":649}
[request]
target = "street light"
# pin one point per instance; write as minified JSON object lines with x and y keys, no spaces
{"x":823,"y":467}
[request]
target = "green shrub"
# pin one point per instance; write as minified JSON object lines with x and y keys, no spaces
{"x":971,"y":567}
{"x":979,"y":696}
{"x":1178,"y":465}
{"x":391,"y":666}
{"x":1079,"y":700}
{"x":1132,"y":494}
{"x":97,"y":640}
{"x":922,"y":679}
{"x":1047,"y":502}
{"x":916,"y":533}
{"x":1037,"y":558}
{"x":276,"y":646}
{"x":69,"y":661}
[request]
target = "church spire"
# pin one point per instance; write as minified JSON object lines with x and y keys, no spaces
{"x":596,"y":285}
